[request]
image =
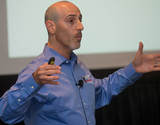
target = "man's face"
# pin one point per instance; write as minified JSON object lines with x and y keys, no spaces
{"x":69,"y":27}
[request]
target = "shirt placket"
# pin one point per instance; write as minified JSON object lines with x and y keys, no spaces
{"x":90,"y":119}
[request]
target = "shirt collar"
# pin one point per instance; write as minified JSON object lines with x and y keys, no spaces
{"x":59,"y":59}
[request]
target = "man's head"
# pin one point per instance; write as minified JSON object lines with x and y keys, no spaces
{"x":63,"y":22}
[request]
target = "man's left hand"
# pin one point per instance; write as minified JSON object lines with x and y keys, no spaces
{"x":146,"y":63}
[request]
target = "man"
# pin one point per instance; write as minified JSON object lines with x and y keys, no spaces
{"x":66,"y":93}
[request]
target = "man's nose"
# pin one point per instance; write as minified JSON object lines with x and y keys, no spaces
{"x":80,"y":26}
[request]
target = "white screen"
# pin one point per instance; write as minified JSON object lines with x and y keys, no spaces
{"x":110,"y":27}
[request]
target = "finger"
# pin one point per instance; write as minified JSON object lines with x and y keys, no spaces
{"x":52,"y":77}
{"x":157,"y":65}
{"x":51,"y":80}
{"x":156,"y":56}
{"x":48,"y":72}
{"x":54,"y":67}
{"x":140,"y":50}
{"x":49,"y":67}
{"x":156,"y":68}
{"x":157,"y":60}
{"x":49,"y":77}
{"x":54,"y":82}
{"x":54,"y":72}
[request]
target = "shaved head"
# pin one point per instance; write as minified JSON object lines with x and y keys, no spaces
{"x":52,"y":12}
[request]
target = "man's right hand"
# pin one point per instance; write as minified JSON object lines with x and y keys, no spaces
{"x":43,"y":74}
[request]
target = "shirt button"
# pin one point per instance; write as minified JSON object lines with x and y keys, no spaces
{"x":66,"y":61}
{"x":19,"y":100}
{"x":32,"y":87}
{"x":89,"y":122}
{"x":84,"y":103}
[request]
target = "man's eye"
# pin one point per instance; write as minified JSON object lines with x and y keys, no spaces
{"x":80,"y":20}
{"x":70,"y":21}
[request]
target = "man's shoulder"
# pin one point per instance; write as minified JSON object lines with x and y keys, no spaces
{"x":82,"y":65}
{"x":34,"y":64}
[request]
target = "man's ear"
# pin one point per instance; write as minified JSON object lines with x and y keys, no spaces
{"x":50,"y":25}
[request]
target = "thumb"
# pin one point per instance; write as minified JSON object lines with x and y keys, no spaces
{"x":140,"y":50}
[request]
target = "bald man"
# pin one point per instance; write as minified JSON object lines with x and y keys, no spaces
{"x":66,"y":93}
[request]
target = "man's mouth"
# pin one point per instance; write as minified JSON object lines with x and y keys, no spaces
{"x":79,"y":36}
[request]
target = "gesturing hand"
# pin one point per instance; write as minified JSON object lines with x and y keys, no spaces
{"x":146,"y":63}
{"x":43,"y":74}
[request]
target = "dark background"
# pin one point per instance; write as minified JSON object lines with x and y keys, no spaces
{"x":139,"y":104}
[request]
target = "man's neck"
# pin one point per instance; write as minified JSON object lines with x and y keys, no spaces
{"x":59,"y":49}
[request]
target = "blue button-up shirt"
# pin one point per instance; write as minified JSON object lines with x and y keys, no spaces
{"x":66,"y":103}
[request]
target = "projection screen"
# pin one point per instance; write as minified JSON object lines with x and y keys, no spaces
{"x":111,"y":35}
